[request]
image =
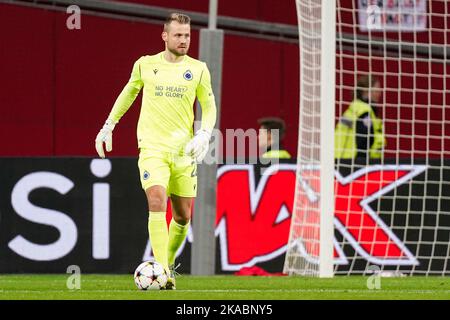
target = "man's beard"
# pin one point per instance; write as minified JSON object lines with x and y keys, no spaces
{"x":178,"y":53}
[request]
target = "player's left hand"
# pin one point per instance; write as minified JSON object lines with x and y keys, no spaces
{"x":198,"y":146}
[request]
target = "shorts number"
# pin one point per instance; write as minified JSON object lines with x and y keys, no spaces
{"x":194,"y":171}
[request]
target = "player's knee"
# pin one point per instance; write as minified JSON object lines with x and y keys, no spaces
{"x":182,"y":219}
{"x":156,"y":198}
{"x":182,"y":214}
{"x":157,"y":204}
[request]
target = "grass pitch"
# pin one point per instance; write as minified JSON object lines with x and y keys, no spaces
{"x":122,"y":287}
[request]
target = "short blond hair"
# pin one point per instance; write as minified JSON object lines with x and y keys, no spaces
{"x":178,"y":17}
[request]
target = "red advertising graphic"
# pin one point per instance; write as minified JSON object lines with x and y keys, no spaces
{"x":360,"y":224}
{"x":253,"y":220}
{"x":387,"y":215}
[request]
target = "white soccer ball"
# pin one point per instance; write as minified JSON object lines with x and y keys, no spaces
{"x":150,"y":275}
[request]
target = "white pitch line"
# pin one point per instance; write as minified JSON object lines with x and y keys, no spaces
{"x":241,"y":290}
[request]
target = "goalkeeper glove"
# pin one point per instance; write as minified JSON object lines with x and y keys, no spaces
{"x":198,"y":146}
{"x":105,"y":135}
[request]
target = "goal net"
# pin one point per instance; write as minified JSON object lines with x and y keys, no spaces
{"x":390,"y":139}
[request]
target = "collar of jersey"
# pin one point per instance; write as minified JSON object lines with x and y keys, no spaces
{"x":172,"y":63}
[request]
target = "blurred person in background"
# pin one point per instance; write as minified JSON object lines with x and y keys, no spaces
{"x":359,"y":132}
{"x":270,"y":144}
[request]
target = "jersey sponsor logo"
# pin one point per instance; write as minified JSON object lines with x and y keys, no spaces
{"x":187,"y":75}
{"x":263,"y":211}
{"x":146,"y":175}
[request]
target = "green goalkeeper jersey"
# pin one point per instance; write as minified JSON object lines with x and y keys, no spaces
{"x":167,"y":113}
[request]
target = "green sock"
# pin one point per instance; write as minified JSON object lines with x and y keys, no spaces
{"x":177,"y":234}
{"x":159,"y":237}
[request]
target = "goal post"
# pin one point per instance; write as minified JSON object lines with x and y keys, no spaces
{"x":310,"y":249}
{"x":327,"y":111}
{"x":384,"y":207}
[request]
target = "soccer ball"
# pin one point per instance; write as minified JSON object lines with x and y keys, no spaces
{"x":150,"y":275}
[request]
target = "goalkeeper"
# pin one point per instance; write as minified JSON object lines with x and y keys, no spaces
{"x":168,"y":150}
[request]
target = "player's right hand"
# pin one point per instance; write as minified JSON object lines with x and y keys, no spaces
{"x":105,"y":136}
{"x":198,"y":146}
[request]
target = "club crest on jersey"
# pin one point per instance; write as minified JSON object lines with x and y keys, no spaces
{"x":188,"y":75}
{"x":146,"y":175}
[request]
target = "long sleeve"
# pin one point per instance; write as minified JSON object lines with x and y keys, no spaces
{"x":205,"y":96}
{"x":128,"y":94}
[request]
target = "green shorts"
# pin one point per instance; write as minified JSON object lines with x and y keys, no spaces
{"x":176,"y":173}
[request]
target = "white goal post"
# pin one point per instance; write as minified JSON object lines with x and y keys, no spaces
{"x":373,"y":164}
{"x":312,"y":226}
